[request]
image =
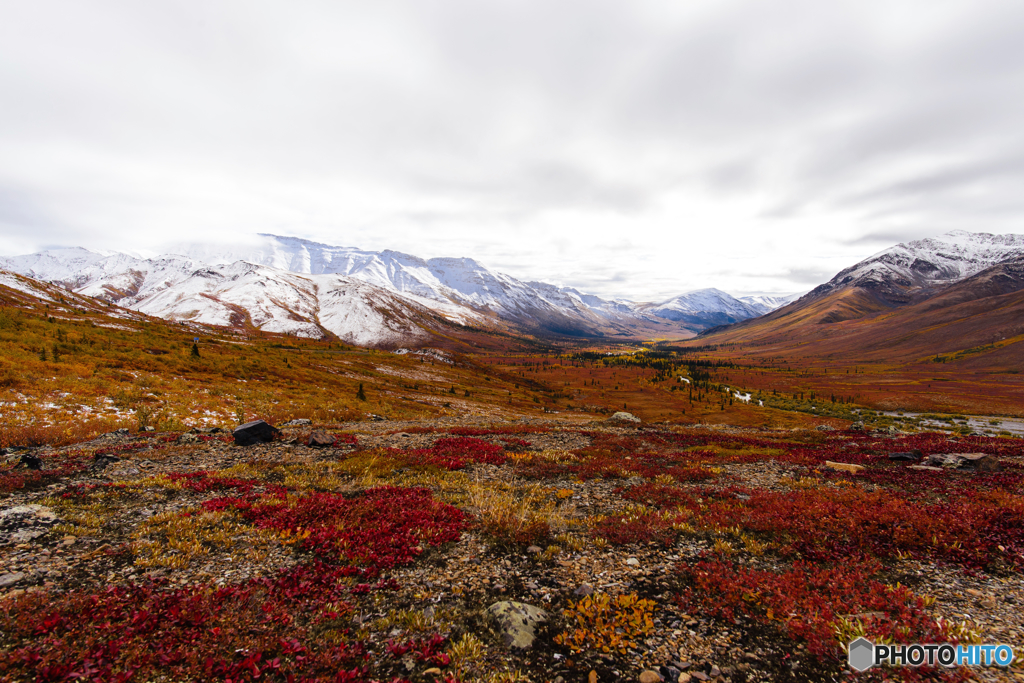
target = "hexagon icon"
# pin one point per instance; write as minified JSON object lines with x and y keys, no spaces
{"x":862,"y":654}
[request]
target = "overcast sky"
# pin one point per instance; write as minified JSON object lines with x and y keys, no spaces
{"x":632,"y":149}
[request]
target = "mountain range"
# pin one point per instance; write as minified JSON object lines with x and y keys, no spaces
{"x":388,"y":299}
{"x":385,"y":298}
{"x":961,"y":293}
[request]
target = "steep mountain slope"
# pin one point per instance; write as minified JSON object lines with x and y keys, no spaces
{"x":246,"y":295}
{"x":912,"y":271}
{"x":857,"y":315}
{"x":458,"y":289}
{"x":437,"y":283}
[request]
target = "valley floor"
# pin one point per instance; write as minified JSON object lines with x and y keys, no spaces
{"x":655,"y":551}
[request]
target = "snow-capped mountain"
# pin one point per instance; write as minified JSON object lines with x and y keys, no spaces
{"x":764,"y":303}
{"x":436,"y":283}
{"x":278,"y":301}
{"x":706,"y":307}
{"x":905,"y":271}
{"x":286,"y":284}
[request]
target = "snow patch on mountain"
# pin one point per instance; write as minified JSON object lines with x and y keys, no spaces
{"x":924,"y":263}
{"x":764,"y":303}
{"x":702,"y":304}
{"x":244,"y":294}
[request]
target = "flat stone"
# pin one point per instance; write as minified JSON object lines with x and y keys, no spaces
{"x":623,"y":416}
{"x":319,"y":439}
{"x":927,"y":468}
{"x":517,"y":622}
{"x":977,"y":462}
{"x":844,"y":467}
{"x":633,"y":562}
{"x":298,"y":422}
{"x":11,"y":579}
{"x":980,"y":462}
{"x":649,"y":676}
{"x":38,"y":511}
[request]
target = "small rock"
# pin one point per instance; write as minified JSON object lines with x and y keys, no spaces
{"x":534,"y":549}
{"x":979,"y":462}
{"x":976,"y":462}
{"x":100,"y":461}
{"x":251,"y":433}
{"x":825,"y":428}
{"x":669,"y":673}
{"x":432,"y":671}
{"x":320,"y":439}
{"x":927,"y":468}
{"x":633,"y":562}
{"x":624,"y":417}
{"x":517,"y":622}
{"x":844,"y":467}
{"x":684,"y":677}
{"x":584,"y":590}
{"x":11,"y":579}
{"x":592,"y":677}
{"x":188,"y":437}
{"x":297,"y":423}
{"x":649,"y":676}
{"x":909,"y":456}
{"x":715,"y":672}
{"x":700,"y":676}
{"x":33,"y":462}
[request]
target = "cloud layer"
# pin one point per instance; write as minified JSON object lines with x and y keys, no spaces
{"x":630,"y":149}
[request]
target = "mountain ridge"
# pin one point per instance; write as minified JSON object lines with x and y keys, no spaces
{"x":457,"y":288}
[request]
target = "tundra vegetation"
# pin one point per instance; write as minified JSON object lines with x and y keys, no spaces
{"x":710,"y":540}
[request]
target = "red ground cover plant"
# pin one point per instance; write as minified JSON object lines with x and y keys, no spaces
{"x":536,"y":469}
{"x":633,"y":528}
{"x":381,"y":528}
{"x":454,"y":453}
{"x":207,"y":480}
{"x":55,"y":467}
{"x":292,"y":627}
{"x":808,"y":601}
{"x":980,"y":529}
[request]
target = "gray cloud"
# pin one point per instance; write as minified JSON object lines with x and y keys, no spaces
{"x":634,"y":149}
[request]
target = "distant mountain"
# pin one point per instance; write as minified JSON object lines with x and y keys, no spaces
{"x":956,"y":292}
{"x":290,"y":291}
{"x":766,"y":304}
{"x":912,"y":271}
{"x":702,"y":307}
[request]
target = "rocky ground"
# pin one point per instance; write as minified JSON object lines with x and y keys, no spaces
{"x":119,"y":511}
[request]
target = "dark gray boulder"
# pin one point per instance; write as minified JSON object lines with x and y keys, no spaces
{"x":251,"y":433}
